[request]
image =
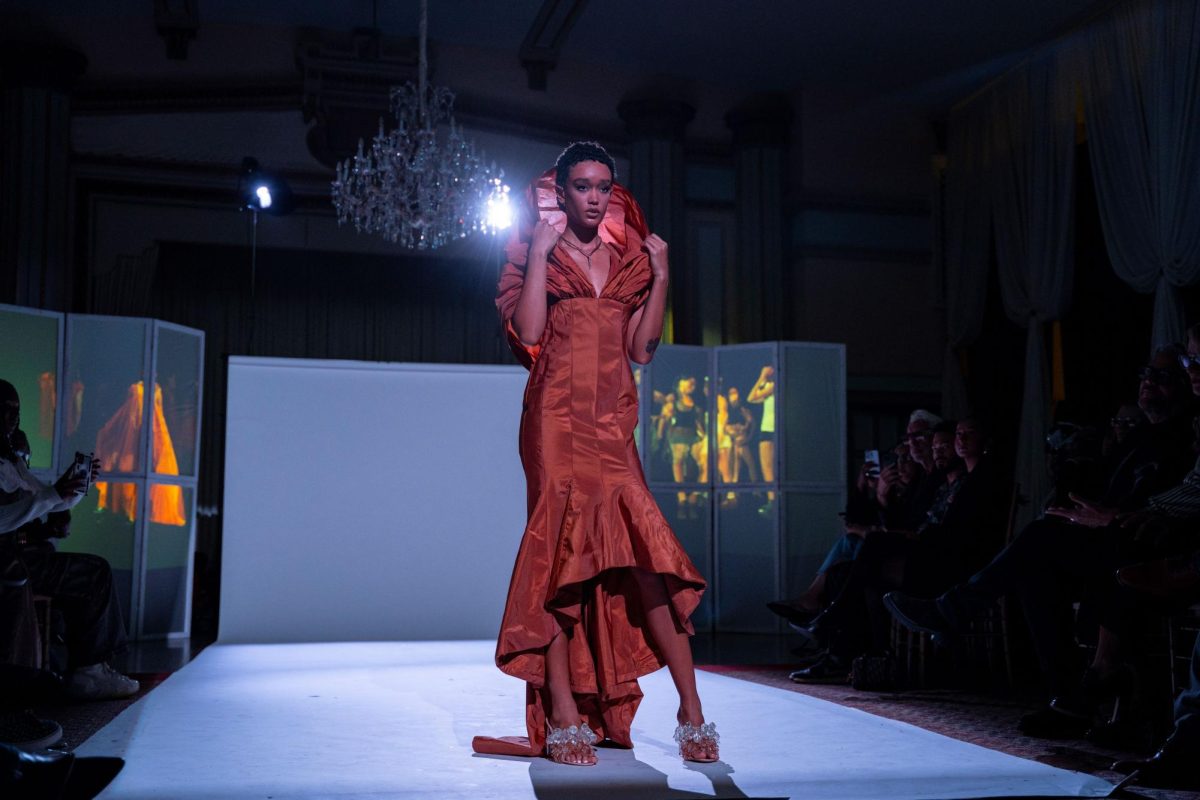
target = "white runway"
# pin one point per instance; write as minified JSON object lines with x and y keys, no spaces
{"x":382,"y":720}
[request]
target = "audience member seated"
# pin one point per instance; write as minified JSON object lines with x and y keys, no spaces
{"x":80,"y":585}
{"x":958,"y":534}
{"x":897,"y":490}
{"x":1072,"y":553}
{"x":1175,"y":581}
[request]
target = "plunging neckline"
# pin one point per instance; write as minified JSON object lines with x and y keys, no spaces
{"x":596,"y":294}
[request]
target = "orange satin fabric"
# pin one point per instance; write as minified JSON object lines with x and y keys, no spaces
{"x":591,"y":516}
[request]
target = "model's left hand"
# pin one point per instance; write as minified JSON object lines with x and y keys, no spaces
{"x":657,"y":248}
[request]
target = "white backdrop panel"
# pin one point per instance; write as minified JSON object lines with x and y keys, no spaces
{"x":369,"y":501}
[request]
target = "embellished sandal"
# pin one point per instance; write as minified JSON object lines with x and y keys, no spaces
{"x":572,"y":746}
{"x":698,"y":744}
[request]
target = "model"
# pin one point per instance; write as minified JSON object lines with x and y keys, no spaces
{"x":602,"y":591}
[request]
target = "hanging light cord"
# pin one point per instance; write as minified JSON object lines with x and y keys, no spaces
{"x":421,"y":63}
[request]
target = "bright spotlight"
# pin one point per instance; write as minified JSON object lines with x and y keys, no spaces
{"x":261,"y":190}
{"x":499,"y":209}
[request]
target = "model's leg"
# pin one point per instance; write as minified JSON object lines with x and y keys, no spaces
{"x":747,"y":458}
{"x":724,"y":465}
{"x":700,"y":456}
{"x":563,"y":712}
{"x":679,"y":453}
{"x":766,"y":455}
{"x":672,"y":642}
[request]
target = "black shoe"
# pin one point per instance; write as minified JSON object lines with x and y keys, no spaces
{"x":922,"y":616}
{"x":1095,"y":689}
{"x":808,"y":657}
{"x":1050,"y":724}
{"x":824,"y":625}
{"x":1169,"y":768}
{"x":791,"y":612}
{"x":810,"y":636}
{"x":1073,"y":706}
{"x":829,"y":669}
{"x":28,"y":775}
{"x":61,"y":775}
{"x":24,"y":731}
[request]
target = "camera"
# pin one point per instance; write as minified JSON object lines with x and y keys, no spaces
{"x":83,"y":468}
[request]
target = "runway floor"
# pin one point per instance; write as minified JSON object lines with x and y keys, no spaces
{"x":395,"y":719}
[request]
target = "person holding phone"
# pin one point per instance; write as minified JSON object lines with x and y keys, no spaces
{"x":80,"y":585}
{"x":22,"y":496}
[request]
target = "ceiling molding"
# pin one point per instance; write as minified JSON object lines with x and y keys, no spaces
{"x":160,"y":98}
{"x":543,"y":42}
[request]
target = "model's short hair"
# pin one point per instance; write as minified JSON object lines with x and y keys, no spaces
{"x":577,"y":152}
{"x":928,"y":417}
{"x":8,"y":391}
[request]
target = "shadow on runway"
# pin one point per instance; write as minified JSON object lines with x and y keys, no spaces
{"x":622,"y":775}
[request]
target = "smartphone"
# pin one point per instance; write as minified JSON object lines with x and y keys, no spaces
{"x":871,"y":457}
{"x":83,"y":468}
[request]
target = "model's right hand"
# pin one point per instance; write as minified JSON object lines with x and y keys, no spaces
{"x":544,"y":238}
{"x":70,"y":484}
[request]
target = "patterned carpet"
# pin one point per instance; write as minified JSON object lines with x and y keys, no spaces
{"x":988,"y":720}
{"x":80,"y":720}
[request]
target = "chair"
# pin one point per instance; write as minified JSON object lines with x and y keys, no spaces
{"x":43,"y":611}
{"x":1182,"y":629}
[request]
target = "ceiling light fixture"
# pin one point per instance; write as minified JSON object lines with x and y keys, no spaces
{"x":421,"y":184}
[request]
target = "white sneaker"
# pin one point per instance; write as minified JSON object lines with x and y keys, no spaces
{"x":100,"y":682}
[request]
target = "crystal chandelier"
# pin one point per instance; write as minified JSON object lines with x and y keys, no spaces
{"x":421,"y":184}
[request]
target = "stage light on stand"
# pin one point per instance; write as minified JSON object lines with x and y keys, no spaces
{"x":260,"y":190}
{"x":263,"y":193}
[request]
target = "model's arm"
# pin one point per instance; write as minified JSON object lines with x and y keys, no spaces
{"x":645,"y":327}
{"x":529,"y":319}
{"x":763,"y":388}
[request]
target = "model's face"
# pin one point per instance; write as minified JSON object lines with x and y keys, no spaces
{"x":586,"y":195}
{"x":686,"y":385}
{"x":733,"y":395}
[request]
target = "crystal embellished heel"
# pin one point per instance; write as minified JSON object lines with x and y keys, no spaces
{"x":571,"y":745}
{"x":698,"y":743}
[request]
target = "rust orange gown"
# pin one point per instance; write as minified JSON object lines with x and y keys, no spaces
{"x":591,"y":516}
